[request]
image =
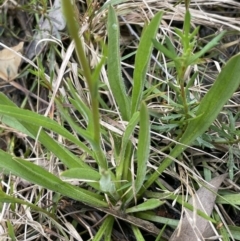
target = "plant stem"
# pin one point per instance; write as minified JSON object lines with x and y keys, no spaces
{"x":73,"y":27}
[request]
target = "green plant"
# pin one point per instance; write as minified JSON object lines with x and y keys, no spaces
{"x":210,"y":106}
{"x":118,"y":189}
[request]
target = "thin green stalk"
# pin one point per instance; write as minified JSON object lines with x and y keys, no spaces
{"x":73,"y":27}
{"x":183,"y":95}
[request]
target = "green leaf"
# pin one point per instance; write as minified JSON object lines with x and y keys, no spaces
{"x":84,"y":111}
{"x":97,"y":70}
{"x":126,"y":172}
{"x":209,"y":108}
{"x":11,"y":232}
{"x":161,"y":233}
{"x":191,"y":81}
{"x":84,"y":174}
{"x":40,"y":176}
{"x":105,"y":229}
{"x":168,"y":53}
{"x":73,"y":26}
{"x":179,"y":33}
{"x":125,"y":141}
{"x":80,"y":106}
{"x":142,"y":60}
{"x":39,"y":120}
{"x":235,"y":231}
{"x":12,"y":122}
{"x":212,"y":103}
{"x":67,"y":157}
{"x":137,"y":233}
{"x":154,"y":218}
{"x":206,"y":48}
{"x":114,"y":66}
{"x":187,"y":26}
{"x":194,"y":33}
{"x":129,"y":131}
{"x":170,"y":46}
{"x":233,"y":199}
{"x":86,"y":134}
{"x":150,"y":204}
{"x":108,"y":231}
{"x":142,"y":151}
{"x":143,"y":147}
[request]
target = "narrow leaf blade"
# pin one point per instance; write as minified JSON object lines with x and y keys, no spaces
{"x":143,"y":147}
{"x":40,"y":176}
{"x":206,"y":48}
{"x":38,"y":120}
{"x":114,"y":66}
{"x":150,"y":204}
{"x":142,"y":59}
{"x":67,"y":157}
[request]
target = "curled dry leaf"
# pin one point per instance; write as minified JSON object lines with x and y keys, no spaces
{"x":9,"y":62}
{"x":193,"y":227}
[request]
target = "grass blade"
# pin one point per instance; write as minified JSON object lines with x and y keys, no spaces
{"x":105,"y":229}
{"x":114,"y":66}
{"x":121,"y":163}
{"x":40,"y":176}
{"x":68,"y":158}
{"x":85,"y":175}
{"x":150,"y":204}
{"x":137,"y":233}
{"x":207,"y":47}
{"x":142,"y":60}
{"x":142,"y":151}
{"x":39,"y":120}
{"x":168,"y":53}
{"x":143,"y":147}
